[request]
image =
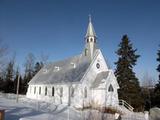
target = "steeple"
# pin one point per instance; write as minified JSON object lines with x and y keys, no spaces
{"x":90,"y":39}
{"x":90,"y":30}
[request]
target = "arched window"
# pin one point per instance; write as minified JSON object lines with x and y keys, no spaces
{"x":87,"y":40}
{"x":91,"y":39}
{"x":45,"y":90}
{"x":52,"y":91}
{"x":85,"y":92}
{"x":110,"y":89}
{"x":86,"y":51}
{"x":39,"y":90}
{"x":34,"y":90}
{"x":61,"y":92}
{"x":72,"y":92}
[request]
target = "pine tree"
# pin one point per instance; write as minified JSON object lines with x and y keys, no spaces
{"x":1,"y":83}
{"x":157,"y":86}
{"x":8,"y":85}
{"x":28,"y":76}
{"x":158,"y":69}
{"x":129,"y":84}
{"x":29,"y":71}
{"x":37,"y":67}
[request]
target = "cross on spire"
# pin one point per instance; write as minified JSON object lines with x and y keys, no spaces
{"x":90,"y":30}
{"x":90,"y":18}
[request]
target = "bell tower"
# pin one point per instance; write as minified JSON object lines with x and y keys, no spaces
{"x":90,"y":40}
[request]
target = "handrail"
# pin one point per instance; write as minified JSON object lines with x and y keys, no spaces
{"x":126,"y":105}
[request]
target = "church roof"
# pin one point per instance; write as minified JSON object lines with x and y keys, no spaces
{"x":99,"y":79}
{"x":90,"y":31}
{"x":65,"y":71}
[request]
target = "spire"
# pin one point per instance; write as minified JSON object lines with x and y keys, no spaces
{"x":90,"y":30}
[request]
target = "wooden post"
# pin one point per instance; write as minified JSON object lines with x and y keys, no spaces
{"x":2,"y":113}
{"x":17,"y":88}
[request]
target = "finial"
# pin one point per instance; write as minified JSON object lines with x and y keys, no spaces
{"x":89,"y":17}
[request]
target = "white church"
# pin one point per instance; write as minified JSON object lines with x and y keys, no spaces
{"x":81,"y":81}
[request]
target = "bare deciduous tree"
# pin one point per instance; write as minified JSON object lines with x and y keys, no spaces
{"x":44,"y":58}
{"x":3,"y":54}
{"x":29,"y":70}
{"x":147,"y":81}
{"x":29,"y":63}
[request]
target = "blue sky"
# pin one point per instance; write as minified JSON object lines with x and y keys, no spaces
{"x":57,"y":28}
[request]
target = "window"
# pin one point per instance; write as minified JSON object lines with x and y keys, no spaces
{"x":34,"y":90}
{"x":56,"y":68}
{"x":86,"y":51}
{"x":45,"y":70}
{"x":39,"y":90}
{"x":73,"y":64}
{"x":91,"y":39}
{"x":45,"y":90}
{"x":98,"y":65}
{"x":72,"y":92}
{"x":85,"y":92}
{"x":110,"y":89}
{"x":61,"y":92}
{"x":52,"y":91}
{"x":87,"y":40}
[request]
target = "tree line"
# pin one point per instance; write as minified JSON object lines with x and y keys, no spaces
{"x":9,"y":74}
{"x":141,"y":98}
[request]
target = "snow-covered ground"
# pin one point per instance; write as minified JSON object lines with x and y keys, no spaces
{"x":27,"y":109}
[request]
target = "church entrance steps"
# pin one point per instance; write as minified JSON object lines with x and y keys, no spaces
{"x":126,"y":105}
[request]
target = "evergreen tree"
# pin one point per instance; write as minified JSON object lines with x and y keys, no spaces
{"x":8,"y":85}
{"x":26,"y":80}
{"x":129,"y":84}
{"x":157,"y":86}
{"x":1,"y":83}
{"x":158,"y":69}
{"x":37,"y":67}
{"x":29,"y":71}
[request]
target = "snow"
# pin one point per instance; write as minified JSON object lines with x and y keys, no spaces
{"x":27,"y":109}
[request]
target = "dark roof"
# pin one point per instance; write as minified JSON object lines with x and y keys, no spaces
{"x":70,"y":70}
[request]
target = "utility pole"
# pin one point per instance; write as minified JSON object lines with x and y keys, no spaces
{"x":17,"y":88}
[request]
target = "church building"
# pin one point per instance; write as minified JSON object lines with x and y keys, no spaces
{"x":81,"y":81}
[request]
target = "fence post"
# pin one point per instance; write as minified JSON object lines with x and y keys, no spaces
{"x":2,"y":113}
